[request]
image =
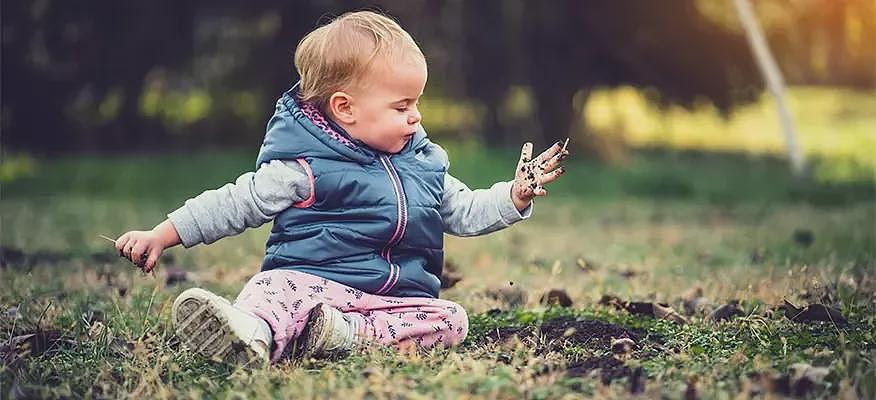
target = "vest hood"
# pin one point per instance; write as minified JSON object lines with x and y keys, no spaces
{"x":299,"y":130}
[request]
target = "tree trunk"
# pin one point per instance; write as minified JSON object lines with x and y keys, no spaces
{"x":775,"y":83}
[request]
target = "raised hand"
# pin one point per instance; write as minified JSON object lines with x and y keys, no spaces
{"x":532,"y":174}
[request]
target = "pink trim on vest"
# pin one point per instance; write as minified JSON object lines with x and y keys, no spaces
{"x":314,"y":115}
{"x":394,"y":271}
{"x":312,"y":199}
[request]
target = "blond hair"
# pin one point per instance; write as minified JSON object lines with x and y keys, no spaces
{"x":336,"y":55}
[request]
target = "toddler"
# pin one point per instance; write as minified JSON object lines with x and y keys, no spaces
{"x":360,"y":199}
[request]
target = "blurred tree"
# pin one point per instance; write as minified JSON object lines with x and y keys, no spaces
{"x":667,"y":46}
{"x":134,"y":76}
{"x":488,"y":65}
{"x":816,"y":42}
{"x":775,"y":83}
{"x":830,"y":42}
{"x":59,"y":57}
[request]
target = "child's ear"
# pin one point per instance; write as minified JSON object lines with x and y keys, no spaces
{"x":340,"y":105}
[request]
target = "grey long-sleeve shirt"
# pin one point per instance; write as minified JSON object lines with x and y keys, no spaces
{"x":256,"y":197}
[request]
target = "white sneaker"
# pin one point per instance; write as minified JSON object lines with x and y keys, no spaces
{"x":329,"y":333}
{"x":212,"y":327}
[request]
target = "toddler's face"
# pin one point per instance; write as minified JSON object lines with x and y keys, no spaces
{"x":384,"y":108}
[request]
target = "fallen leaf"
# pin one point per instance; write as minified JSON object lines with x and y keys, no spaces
{"x":725,"y":312}
{"x":664,"y":311}
{"x":814,"y":312}
{"x":611,"y":300}
{"x":652,"y":309}
{"x":556,"y":297}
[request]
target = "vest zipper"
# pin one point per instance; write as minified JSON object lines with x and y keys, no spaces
{"x":386,"y":253}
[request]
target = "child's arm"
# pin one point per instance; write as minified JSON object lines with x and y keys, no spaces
{"x":468,"y":212}
{"x":254,"y":199}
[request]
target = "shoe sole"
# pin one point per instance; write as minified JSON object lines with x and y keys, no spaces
{"x":202,"y":326}
{"x":312,"y":336}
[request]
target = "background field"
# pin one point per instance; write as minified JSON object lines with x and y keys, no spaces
{"x":666,"y":222}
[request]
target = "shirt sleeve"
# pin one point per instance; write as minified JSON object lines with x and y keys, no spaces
{"x":467,"y":212}
{"x":252,"y":200}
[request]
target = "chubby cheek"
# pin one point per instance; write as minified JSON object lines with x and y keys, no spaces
{"x":386,"y":132}
{"x":392,"y":130}
{"x":399,"y":123}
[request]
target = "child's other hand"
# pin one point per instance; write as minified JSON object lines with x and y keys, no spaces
{"x":141,"y":247}
{"x":533,"y":174}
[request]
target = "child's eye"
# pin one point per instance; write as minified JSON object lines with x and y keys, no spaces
{"x":401,"y":110}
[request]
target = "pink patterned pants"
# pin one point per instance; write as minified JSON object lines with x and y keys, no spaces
{"x":284,"y":298}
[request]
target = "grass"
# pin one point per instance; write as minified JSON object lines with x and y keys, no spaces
{"x":662,"y":224}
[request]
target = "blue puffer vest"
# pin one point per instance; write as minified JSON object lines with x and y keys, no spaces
{"x":372,"y":221}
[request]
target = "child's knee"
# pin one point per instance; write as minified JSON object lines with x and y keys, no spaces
{"x":457,"y":320}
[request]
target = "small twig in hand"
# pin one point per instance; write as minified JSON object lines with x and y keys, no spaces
{"x":104,"y":237}
{"x":138,"y":266}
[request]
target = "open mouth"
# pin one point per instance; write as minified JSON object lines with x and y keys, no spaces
{"x":409,"y":136}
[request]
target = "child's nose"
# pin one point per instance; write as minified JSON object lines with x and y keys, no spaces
{"x":415,"y":117}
